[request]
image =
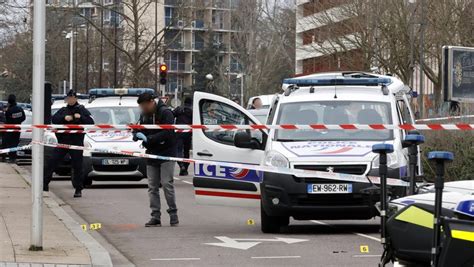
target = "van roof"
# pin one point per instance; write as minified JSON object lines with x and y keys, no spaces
{"x":343,"y":93}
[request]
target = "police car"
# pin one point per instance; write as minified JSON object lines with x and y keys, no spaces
{"x":329,"y":98}
{"x":119,"y":107}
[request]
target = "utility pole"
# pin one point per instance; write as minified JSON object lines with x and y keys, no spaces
{"x":156,"y":46}
{"x":87,"y":56}
{"x":101,"y":56}
{"x":115,"y":41}
{"x":421,"y":106}
{"x":70,"y":36}
{"x":39,"y":37}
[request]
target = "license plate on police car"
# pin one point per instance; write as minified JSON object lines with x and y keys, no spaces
{"x":115,"y":162}
{"x":329,"y":188}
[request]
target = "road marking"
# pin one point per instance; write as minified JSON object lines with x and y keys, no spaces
{"x":176,"y":259}
{"x":366,"y":256}
{"x":277,"y":257}
{"x":184,"y":181}
{"x":355,"y":233}
{"x":246,"y":243}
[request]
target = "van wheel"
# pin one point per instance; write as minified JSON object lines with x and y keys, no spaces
{"x":272,"y":224}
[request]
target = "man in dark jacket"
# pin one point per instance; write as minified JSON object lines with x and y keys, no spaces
{"x":184,"y":115}
{"x":163,"y":143}
{"x":73,"y":113}
{"x":13,"y":115}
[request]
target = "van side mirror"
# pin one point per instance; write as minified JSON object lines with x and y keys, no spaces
{"x":244,"y":140}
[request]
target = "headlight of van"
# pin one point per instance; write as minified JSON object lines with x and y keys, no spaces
{"x":275,"y":159}
{"x":392,"y":161}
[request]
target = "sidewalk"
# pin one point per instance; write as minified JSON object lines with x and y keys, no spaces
{"x":60,"y":245}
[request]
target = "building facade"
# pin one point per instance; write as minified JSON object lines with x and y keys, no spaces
{"x":317,"y":21}
{"x":191,"y":26}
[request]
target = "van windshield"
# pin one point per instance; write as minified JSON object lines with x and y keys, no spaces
{"x":115,"y":115}
{"x":334,"y":112}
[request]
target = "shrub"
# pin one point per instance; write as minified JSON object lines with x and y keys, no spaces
{"x":461,"y":143}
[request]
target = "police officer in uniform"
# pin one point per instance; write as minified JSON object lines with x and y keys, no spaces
{"x":184,"y":115}
{"x":162,"y":143}
{"x":73,"y":113}
{"x":13,"y":115}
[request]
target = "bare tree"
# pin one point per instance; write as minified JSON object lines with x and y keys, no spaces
{"x":137,"y":36}
{"x":264,"y":44}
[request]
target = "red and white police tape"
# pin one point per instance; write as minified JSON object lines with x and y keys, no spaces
{"x":295,"y":172}
{"x":231,"y":127}
{"x":75,"y":131}
{"x":447,"y":118}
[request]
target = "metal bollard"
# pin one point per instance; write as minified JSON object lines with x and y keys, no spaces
{"x":383,"y":150}
{"x":412,"y":141}
{"x":440,"y":158}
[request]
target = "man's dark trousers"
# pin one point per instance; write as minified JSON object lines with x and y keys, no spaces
{"x":76,"y":161}
{"x":184,"y":146}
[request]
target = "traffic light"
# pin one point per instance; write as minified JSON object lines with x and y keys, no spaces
{"x":163,"y":73}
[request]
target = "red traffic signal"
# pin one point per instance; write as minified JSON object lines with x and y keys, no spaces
{"x":163,"y":73}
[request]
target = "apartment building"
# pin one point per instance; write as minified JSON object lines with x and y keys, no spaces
{"x":190,"y":26}
{"x":318,"y":21}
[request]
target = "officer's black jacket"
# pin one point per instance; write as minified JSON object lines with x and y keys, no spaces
{"x":184,"y":115}
{"x":14,"y":115}
{"x":159,"y":142}
{"x":59,"y":118}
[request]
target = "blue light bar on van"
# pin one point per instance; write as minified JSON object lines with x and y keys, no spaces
{"x":101,"y":92}
{"x":338,"y":81}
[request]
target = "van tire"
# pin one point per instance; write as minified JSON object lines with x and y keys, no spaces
{"x":272,"y":224}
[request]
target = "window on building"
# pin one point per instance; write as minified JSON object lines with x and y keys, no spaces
{"x":175,"y":61}
{"x":235,"y":65}
{"x":218,"y":19}
{"x":174,"y":81}
{"x":169,"y":14}
{"x":174,"y":39}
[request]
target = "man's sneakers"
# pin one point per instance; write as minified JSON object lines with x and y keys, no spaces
{"x":157,"y":223}
{"x":153,"y":223}
{"x":174,"y":220}
{"x":78,"y":193}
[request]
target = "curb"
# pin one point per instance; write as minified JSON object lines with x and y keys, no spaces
{"x":98,"y":254}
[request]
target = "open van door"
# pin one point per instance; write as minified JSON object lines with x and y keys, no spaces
{"x":225,"y":185}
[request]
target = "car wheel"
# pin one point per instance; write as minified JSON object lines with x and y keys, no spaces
{"x":270,"y":224}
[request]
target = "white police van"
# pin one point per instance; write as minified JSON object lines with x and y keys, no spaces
{"x":329,"y":98}
{"x":118,"y":107}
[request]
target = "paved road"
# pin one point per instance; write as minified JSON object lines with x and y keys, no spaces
{"x":122,"y":209}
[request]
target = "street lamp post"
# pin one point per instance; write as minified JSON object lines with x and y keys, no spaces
{"x":39,"y":36}
{"x":70,"y":36}
{"x":241,"y":77}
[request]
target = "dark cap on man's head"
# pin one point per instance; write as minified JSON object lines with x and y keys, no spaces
{"x":71,"y":93}
{"x":145,"y":97}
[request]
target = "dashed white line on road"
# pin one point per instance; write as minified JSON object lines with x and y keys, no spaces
{"x":184,"y":181}
{"x":359,"y":234}
{"x":277,"y":257}
{"x":176,"y":259}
